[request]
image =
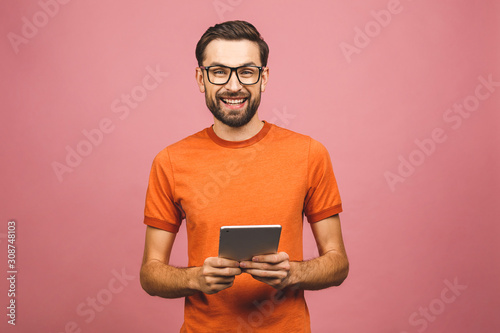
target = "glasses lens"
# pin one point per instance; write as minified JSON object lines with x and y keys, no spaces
{"x":248,"y":75}
{"x":220,"y":75}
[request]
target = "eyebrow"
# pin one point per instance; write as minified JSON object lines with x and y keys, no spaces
{"x":245,"y":64}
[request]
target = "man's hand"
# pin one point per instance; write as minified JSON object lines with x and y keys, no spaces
{"x":217,"y":274}
{"x":329,"y":269}
{"x":273,"y":269}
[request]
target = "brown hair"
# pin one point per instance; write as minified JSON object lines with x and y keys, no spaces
{"x":232,"y":30}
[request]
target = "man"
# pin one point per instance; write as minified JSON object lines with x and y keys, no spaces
{"x":241,"y":171}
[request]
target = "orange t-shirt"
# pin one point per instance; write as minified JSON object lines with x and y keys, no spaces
{"x":275,"y":177}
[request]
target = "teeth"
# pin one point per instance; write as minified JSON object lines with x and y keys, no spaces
{"x":233,"y":101}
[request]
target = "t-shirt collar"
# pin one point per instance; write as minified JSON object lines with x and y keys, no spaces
{"x":239,"y":144}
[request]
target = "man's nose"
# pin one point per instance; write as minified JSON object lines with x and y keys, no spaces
{"x":233,"y":84}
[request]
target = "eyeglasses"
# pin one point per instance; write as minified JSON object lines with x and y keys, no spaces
{"x":220,"y":75}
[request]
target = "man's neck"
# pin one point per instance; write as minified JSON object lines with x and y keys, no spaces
{"x":242,"y":133}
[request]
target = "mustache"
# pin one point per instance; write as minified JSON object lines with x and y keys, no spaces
{"x":232,"y":95}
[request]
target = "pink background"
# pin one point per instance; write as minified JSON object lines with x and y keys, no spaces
{"x":406,"y":244}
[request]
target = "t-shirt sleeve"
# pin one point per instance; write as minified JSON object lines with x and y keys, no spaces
{"x":322,"y":198}
{"x":161,"y":210}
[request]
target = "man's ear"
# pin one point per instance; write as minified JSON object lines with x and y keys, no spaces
{"x":199,"y":79}
{"x":264,"y":78}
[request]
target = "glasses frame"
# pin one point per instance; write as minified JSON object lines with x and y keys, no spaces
{"x":235,"y":69}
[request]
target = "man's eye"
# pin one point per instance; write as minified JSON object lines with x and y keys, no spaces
{"x":246,"y":72}
{"x":219,"y":71}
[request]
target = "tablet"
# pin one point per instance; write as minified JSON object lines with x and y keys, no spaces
{"x":242,"y":242}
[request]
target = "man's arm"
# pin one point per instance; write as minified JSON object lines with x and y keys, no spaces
{"x":329,"y":269}
{"x":158,"y":278}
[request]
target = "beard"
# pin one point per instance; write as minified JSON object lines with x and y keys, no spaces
{"x":233,"y":118}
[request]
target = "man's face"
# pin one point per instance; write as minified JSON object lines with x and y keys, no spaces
{"x":233,"y":104}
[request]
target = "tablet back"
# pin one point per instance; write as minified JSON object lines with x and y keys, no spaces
{"x":245,"y":241}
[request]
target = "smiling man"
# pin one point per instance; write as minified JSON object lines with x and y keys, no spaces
{"x":241,"y":171}
{"x":240,"y":104}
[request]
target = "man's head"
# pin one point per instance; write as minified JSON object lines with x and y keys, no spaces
{"x":232,"y":30}
{"x":232,"y":95}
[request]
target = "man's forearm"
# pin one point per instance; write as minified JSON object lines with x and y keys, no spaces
{"x":159,"y":279}
{"x":328,"y":270}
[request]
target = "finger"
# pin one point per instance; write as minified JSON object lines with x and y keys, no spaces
{"x":215,"y":288}
{"x":247,"y":264}
{"x":285,"y":265}
{"x":275,"y":283}
{"x":221,"y":262}
{"x":271,"y":258}
{"x":215,"y":280}
{"x":267,"y":274}
{"x":226,"y":271}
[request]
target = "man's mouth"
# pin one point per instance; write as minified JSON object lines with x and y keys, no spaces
{"x":234,"y":101}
